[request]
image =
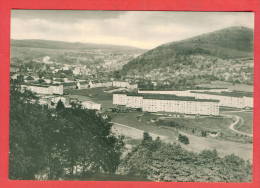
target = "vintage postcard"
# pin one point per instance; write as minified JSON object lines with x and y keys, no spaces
{"x":162,"y":96}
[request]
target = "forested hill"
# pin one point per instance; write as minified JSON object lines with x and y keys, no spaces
{"x":207,"y":52}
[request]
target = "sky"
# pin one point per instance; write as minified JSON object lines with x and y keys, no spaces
{"x":141,"y":29}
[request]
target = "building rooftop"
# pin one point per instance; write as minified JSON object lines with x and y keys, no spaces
{"x":165,"y":97}
{"x":175,"y":97}
{"x":228,"y":94}
{"x":40,"y":85}
{"x":187,"y":89}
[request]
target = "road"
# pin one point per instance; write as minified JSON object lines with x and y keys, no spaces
{"x":233,"y":125}
{"x":197,"y":143}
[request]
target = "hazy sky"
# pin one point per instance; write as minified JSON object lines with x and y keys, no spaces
{"x":143,"y":29}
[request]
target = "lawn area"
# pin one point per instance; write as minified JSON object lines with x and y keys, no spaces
{"x":223,"y":145}
{"x":97,"y":93}
{"x":205,"y":123}
{"x":133,"y":119}
{"x":162,"y":125}
{"x":94,"y":94}
{"x":139,"y":119}
{"x":238,"y":87}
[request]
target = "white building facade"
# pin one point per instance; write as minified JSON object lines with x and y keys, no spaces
{"x":185,"y":105}
{"x":44,"y":89}
{"x":90,"y":105}
{"x":227,"y":98}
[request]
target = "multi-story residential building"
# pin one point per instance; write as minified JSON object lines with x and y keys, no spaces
{"x":182,"y":92}
{"x":167,"y":103}
{"x":227,"y":98}
{"x":44,"y":89}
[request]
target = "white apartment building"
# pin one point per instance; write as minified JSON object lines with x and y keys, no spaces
{"x":227,"y":98}
{"x":248,"y":101}
{"x":168,"y":103}
{"x":119,"y":99}
{"x":44,"y":89}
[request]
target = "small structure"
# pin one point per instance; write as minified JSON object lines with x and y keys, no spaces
{"x":90,"y":105}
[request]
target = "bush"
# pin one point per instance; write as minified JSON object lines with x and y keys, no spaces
{"x":183,"y":139}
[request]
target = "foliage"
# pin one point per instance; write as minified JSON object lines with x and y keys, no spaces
{"x":183,"y":139}
{"x":59,"y":142}
{"x":159,"y":161}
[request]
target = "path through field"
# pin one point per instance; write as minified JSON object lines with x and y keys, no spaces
{"x":233,"y":125}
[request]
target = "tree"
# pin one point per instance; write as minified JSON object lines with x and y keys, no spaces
{"x":47,"y":140}
{"x":170,"y":162}
{"x":60,"y":106}
{"x":183,"y":139}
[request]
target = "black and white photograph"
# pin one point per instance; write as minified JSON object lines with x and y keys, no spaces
{"x":159,"y":96}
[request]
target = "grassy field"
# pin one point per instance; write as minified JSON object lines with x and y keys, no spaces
{"x":169,"y":134}
{"x":132,"y":119}
{"x":97,"y":93}
{"x":158,"y":124}
{"x":147,"y":119}
{"x":206,"y":123}
{"x":94,"y":94}
{"x":238,"y":87}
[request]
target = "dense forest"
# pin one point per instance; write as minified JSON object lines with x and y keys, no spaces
{"x":53,"y":144}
